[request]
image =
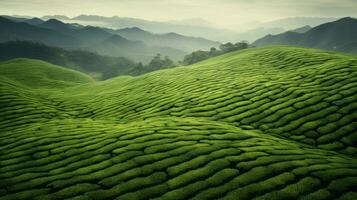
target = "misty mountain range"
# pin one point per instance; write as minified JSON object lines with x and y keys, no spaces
{"x":152,"y":26}
{"x":197,"y":27}
{"x":167,"y":39}
{"x":141,"y":45}
{"x":138,"y":44}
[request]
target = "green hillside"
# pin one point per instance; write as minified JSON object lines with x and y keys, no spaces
{"x":267,"y":123}
{"x":40,"y":74}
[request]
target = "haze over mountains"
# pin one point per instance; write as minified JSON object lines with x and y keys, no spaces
{"x":195,"y":27}
{"x":152,"y":26}
{"x":251,"y":31}
{"x":140,"y":39}
{"x":115,"y":52}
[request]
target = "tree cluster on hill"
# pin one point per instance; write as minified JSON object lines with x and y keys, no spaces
{"x":200,"y":55}
{"x":156,"y":63}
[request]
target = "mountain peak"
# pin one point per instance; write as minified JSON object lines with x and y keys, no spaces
{"x":61,"y":17}
{"x":93,"y":29}
{"x":89,"y":17}
{"x":172,"y":34}
{"x":347,"y":19}
{"x":5,"y":20}
{"x":36,"y":18}
{"x":34,"y":21}
{"x":54,"y":22}
{"x":134,"y":28}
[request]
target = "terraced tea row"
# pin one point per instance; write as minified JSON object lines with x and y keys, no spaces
{"x":175,"y":158}
{"x":304,"y":95}
{"x":269,"y":123}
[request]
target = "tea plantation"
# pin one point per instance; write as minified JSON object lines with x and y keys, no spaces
{"x":266,"y":123}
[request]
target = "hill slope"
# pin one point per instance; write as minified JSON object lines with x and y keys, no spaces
{"x":269,"y":123}
{"x":336,"y":36}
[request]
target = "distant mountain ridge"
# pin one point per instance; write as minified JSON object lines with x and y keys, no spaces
{"x":172,"y":39}
{"x":196,"y":27}
{"x":159,"y":27}
{"x":302,"y":29}
{"x":200,"y":28}
{"x":134,"y":42}
{"x":339,"y":35}
{"x":11,"y":30}
{"x":167,"y":39}
{"x":34,"y":21}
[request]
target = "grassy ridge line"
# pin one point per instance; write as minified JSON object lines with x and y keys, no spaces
{"x":164,"y":158}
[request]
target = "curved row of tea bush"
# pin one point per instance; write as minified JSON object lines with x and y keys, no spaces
{"x":268,"y":123}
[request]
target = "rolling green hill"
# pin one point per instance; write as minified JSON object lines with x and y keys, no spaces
{"x":267,"y":123}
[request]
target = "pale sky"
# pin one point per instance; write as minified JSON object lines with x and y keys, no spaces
{"x":220,"y":12}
